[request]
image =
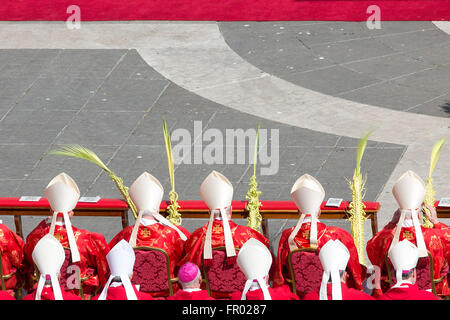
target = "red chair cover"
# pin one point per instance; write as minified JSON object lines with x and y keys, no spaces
{"x":151,"y":271}
{"x":423,"y":273}
{"x":63,"y":271}
{"x":223,"y":278}
{"x":9,"y":279}
{"x":306,"y":270}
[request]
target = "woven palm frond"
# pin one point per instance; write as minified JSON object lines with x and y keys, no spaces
{"x":173,"y":215}
{"x":356,"y":206}
{"x":254,"y":218}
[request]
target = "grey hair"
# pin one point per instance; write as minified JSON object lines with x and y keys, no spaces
{"x":408,"y":274}
{"x":216,"y":212}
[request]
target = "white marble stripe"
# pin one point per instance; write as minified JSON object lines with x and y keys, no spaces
{"x":196,"y":57}
{"x":443,"y":25}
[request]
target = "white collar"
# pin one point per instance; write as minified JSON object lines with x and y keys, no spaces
{"x":308,"y":219}
{"x":403,"y":283}
{"x":148,"y":222}
{"x":192,"y":289}
{"x":408,"y":223}
{"x":255,"y":286}
{"x":116,"y":284}
{"x":48,"y":220}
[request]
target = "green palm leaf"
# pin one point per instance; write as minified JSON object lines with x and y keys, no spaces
{"x":81,"y":152}
{"x":254,"y":218}
{"x":77,"y":151}
{"x":173,"y":215}
{"x":435,"y":155}
{"x":361,"y":148}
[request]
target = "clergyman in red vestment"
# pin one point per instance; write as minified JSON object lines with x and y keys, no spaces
{"x":255,"y":261}
{"x":409,"y":192}
{"x":49,"y":256}
{"x":87,"y":249}
{"x":334,"y":257}
{"x":190,"y":279}
{"x":151,"y":228}
{"x":404,"y":256}
{"x":11,"y":246}
{"x":309,"y":232}
{"x":217,"y":192}
{"x":121,"y":260}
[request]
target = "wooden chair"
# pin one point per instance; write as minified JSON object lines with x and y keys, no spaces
{"x":222,"y":279}
{"x":152,"y":271}
{"x":305,"y":270}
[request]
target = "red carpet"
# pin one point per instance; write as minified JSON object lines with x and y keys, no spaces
{"x":224,"y":10}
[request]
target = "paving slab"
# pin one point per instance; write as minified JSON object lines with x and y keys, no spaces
{"x":103,"y":128}
{"x":400,"y":66}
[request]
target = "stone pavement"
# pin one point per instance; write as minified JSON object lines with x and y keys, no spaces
{"x":108,"y":87}
{"x":403,"y":66}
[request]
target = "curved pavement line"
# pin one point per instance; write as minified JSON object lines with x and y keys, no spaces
{"x":196,"y":57}
{"x":443,"y":25}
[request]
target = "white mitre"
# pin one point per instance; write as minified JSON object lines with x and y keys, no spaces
{"x":334,"y":257}
{"x":217,"y":192}
{"x":146,"y":193}
{"x":404,"y":256}
{"x":409,"y":192}
{"x":63,"y":194}
{"x":255,"y":260}
{"x":308,"y":195}
{"x":48,"y":256}
{"x":121,"y":260}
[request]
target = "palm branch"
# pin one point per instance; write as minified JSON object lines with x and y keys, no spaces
{"x":254,"y":218}
{"x":77,"y":151}
{"x":356,"y":206}
{"x":173,"y":215}
{"x":429,"y":195}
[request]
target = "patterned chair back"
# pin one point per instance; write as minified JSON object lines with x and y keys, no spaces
{"x":305,"y":271}
{"x":2,"y":278}
{"x":221,"y":278}
{"x":424,"y":273}
{"x":152,"y":270}
{"x":63,"y":271}
{"x":8,"y":281}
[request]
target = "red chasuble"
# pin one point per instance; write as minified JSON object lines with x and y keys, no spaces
{"x":347,"y":294}
{"x":195,"y":243}
{"x":407,"y":291}
{"x":92,"y":247}
{"x":4,"y":295}
{"x":47,"y":294}
{"x":118,"y":293}
{"x":324,"y":234}
{"x":159,"y":236}
{"x":379,"y":245}
{"x":11,"y":246}
{"x":279,"y":293}
{"x":444,"y":231}
{"x":194,"y":295}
